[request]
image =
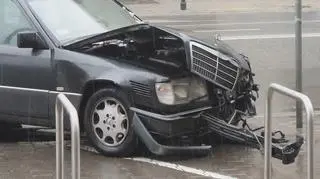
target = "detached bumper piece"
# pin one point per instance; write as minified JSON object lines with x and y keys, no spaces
{"x":282,"y":148}
{"x":159,"y":149}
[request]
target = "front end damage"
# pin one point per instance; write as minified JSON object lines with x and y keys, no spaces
{"x":185,"y":126}
{"x":236,"y":93}
{"x":232,"y":93}
{"x":194,"y":142}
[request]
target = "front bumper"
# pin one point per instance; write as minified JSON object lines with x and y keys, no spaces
{"x":169,"y":126}
{"x":160,"y":149}
{"x":282,"y":148}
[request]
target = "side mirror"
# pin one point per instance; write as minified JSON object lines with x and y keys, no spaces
{"x":30,"y":40}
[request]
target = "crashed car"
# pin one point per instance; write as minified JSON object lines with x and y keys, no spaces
{"x":132,"y":82}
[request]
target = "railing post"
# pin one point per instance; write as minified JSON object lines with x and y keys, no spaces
{"x":267,"y":139}
{"x":298,"y":46}
{"x":268,"y":125}
{"x":63,"y":104}
{"x":59,"y":141}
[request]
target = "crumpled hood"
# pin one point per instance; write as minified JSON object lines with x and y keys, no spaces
{"x":218,"y":45}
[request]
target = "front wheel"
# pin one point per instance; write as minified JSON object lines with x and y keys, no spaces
{"x":108,"y":123}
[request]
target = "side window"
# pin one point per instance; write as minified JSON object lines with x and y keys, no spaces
{"x":12,"y":21}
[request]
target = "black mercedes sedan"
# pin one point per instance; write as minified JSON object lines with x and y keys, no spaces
{"x":132,"y":82}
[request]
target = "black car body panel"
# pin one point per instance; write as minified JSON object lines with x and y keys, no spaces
{"x":134,"y":58}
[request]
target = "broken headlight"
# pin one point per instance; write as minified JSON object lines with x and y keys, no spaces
{"x":181,"y":91}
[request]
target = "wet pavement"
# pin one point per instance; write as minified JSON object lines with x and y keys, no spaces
{"x":26,"y":153}
{"x":172,"y":7}
{"x":34,"y":157}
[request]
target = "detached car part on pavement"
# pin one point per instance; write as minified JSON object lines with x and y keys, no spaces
{"x":131,"y":81}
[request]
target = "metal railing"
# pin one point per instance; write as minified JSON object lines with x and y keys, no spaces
{"x":267,"y":141}
{"x":63,"y":104}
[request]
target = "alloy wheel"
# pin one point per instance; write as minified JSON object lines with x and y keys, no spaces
{"x":110,"y":122}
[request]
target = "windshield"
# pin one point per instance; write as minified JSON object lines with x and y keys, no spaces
{"x":72,"y":20}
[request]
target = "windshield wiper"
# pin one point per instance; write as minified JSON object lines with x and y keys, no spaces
{"x":129,"y":11}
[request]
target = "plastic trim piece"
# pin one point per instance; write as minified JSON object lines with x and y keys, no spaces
{"x":159,"y":149}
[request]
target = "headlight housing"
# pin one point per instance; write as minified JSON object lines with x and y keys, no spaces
{"x":181,"y":91}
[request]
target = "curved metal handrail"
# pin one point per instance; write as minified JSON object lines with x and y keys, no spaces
{"x":62,"y":103}
{"x":268,"y":123}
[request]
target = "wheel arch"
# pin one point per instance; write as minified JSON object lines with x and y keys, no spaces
{"x":90,"y":88}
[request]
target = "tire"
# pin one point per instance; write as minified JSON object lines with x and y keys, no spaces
{"x":100,"y":118}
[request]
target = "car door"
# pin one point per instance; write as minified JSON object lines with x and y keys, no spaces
{"x":25,"y":73}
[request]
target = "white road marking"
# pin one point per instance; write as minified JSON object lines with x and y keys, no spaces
{"x":268,"y":36}
{"x":181,"y":168}
{"x":225,"y":30}
{"x":173,"y":166}
{"x":184,"y":21}
{"x":242,"y":23}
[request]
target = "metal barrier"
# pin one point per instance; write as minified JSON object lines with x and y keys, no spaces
{"x":63,"y":104}
{"x":267,"y":141}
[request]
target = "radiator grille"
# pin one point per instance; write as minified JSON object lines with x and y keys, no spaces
{"x":213,"y":66}
{"x":141,"y":89}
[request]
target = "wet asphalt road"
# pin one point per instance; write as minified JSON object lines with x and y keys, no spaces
{"x":30,"y":153}
{"x":267,"y":38}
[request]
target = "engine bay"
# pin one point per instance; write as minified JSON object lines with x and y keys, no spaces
{"x":150,"y":46}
